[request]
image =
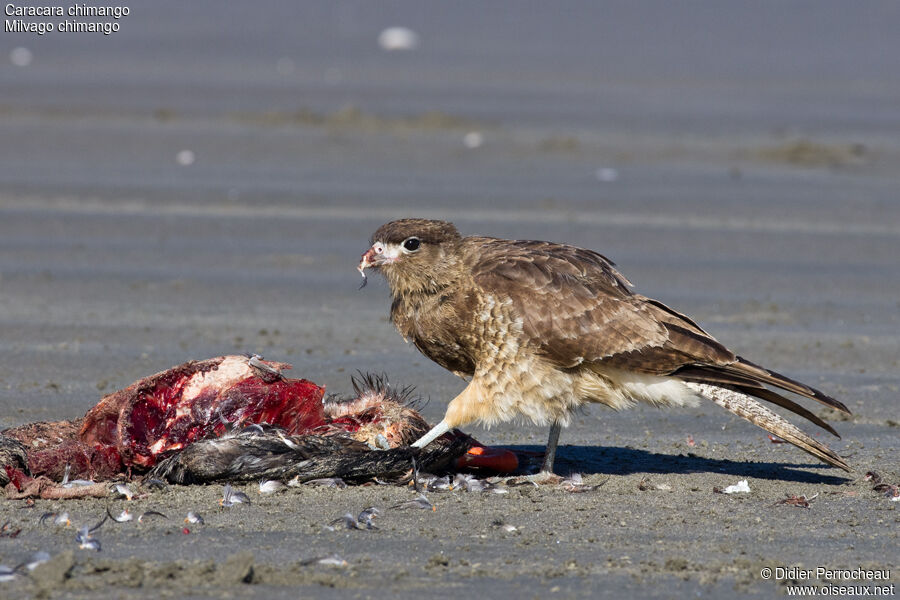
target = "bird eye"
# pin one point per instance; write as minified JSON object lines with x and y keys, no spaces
{"x":411,"y":244}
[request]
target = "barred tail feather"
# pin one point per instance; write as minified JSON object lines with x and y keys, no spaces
{"x":746,"y":407}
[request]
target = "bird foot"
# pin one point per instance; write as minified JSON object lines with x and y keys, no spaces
{"x":540,"y":478}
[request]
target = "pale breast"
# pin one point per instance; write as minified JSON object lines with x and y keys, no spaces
{"x":514,"y":378}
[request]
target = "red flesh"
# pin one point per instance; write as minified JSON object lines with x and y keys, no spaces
{"x":163,"y":413}
{"x":159,"y":415}
{"x":162,"y":420}
{"x":16,"y":477}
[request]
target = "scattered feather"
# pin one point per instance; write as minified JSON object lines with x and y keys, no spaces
{"x":270,"y":487}
{"x":7,"y":573}
{"x":122,"y":517}
{"x":348,"y":520}
{"x":367,"y":516}
{"x":798,"y":501}
{"x":891,"y":491}
{"x":873,"y":477}
{"x":151,"y":513}
{"x":575,"y":484}
{"x":61,"y":519}
{"x":85,"y":540}
{"x":741,"y":487}
{"x":124,"y":491}
{"x":335,"y":482}
{"x":7,"y":531}
{"x":36,"y":559}
{"x":420,"y":502}
{"x":230,"y":497}
{"x":506,"y":527}
{"x":195,"y":518}
{"x":90,"y":544}
{"x":155,"y":484}
{"x":332,"y":560}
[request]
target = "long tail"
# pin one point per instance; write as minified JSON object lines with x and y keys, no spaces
{"x":744,"y":373}
{"x":746,"y":407}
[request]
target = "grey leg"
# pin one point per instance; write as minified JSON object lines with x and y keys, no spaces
{"x":546,"y":475}
{"x":550,"y":454}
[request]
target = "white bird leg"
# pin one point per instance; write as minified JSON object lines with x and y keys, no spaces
{"x":436,"y":432}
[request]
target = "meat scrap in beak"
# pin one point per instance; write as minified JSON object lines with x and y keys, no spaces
{"x":370,"y":258}
{"x":365,"y":263}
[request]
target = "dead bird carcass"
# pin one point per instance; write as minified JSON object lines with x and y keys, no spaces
{"x":231,"y":418}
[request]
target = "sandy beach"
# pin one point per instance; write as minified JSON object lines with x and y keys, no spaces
{"x":203,"y":181}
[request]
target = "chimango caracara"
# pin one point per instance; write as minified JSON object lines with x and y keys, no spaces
{"x":540,"y":329}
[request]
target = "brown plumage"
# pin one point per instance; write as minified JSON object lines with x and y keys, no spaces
{"x":542,"y":328}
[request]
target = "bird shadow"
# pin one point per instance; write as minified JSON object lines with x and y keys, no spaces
{"x":626,"y":461}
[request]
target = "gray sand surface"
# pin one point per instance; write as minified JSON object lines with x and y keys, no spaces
{"x":741,"y":164}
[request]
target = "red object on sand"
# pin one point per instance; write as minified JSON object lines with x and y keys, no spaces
{"x":130,"y":431}
{"x":163,"y":413}
{"x":487,"y":457}
{"x":174,"y":408}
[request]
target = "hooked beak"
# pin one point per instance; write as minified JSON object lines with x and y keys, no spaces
{"x":370,"y":258}
{"x":366,"y":260}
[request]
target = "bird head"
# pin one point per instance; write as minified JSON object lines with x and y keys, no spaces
{"x":414,"y":255}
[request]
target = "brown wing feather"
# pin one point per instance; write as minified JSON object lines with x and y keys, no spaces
{"x":578,"y":310}
{"x":575,"y":306}
{"x":693,"y":355}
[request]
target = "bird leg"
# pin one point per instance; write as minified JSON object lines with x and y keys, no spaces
{"x":435,"y":432}
{"x":550,"y":453}
{"x":465,"y":408}
{"x":546,"y":474}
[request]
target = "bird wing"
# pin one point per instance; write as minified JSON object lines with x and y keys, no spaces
{"x":576,"y":309}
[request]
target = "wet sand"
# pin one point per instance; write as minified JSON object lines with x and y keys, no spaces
{"x":741,"y":172}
